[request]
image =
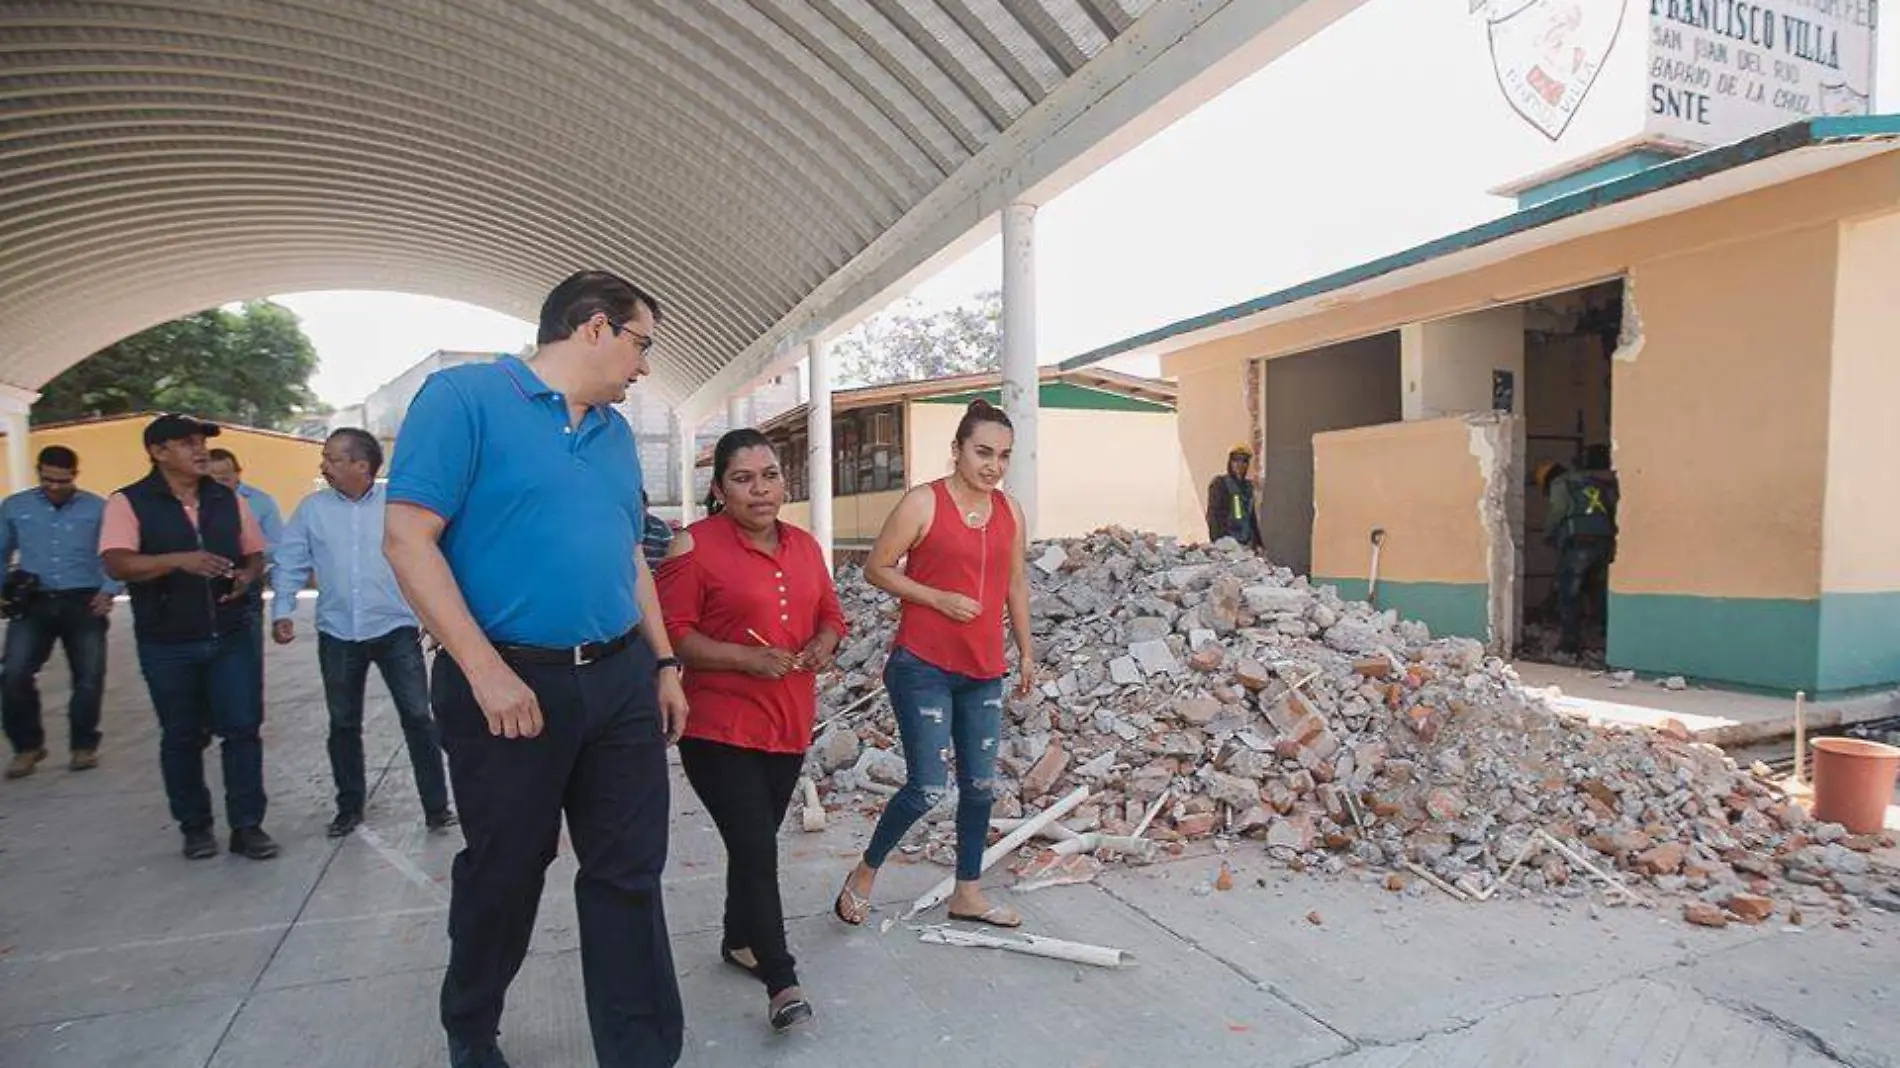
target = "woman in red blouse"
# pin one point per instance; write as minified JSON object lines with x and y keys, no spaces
{"x":961,"y":539}
{"x":752,"y":613}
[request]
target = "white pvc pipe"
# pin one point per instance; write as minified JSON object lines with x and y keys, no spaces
{"x":941,"y":892}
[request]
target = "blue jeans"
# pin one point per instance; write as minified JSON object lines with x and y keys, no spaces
{"x":345,"y":668}
{"x":65,"y":617}
{"x":939,"y":711}
{"x":202,"y":688}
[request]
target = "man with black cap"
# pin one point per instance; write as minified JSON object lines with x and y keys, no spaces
{"x":188,"y":550}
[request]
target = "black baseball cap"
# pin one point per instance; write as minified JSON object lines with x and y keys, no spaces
{"x":170,"y":427}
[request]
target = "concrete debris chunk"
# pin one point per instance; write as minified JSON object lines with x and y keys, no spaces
{"x":1335,"y":738}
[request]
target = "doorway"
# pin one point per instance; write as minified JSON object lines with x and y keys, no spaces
{"x":1351,"y":384}
{"x":1569,"y":341}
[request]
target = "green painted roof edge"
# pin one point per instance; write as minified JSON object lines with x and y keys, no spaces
{"x":1797,"y":135}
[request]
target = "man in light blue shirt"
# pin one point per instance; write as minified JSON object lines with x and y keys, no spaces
{"x":227,"y":472}
{"x":55,"y":530}
{"x":362,"y":620}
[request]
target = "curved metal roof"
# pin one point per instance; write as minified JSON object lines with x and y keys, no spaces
{"x":159,"y":157}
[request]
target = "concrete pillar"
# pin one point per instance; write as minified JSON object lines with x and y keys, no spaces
{"x":736,"y":415}
{"x":1452,"y":366}
{"x":686,"y":428}
{"x":15,"y":403}
{"x":804,"y":382}
{"x":818,"y":449}
{"x":1022,"y":393}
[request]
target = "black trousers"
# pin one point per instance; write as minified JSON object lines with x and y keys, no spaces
{"x":601,"y":759}
{"x":745,"y":791}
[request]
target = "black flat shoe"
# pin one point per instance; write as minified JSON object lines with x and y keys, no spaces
{"x":791,"y":1014}
{"x":344,"y":823}
{"x":488,"y":1055}
{"x":200,"y":845}
{"x":752,"y":970}
{"x":441,"y":821}
{"x":252,"y":842}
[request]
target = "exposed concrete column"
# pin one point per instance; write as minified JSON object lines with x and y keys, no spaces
{"x":818,"y":448}
{"x":1022,"y":395}
{"x":15,"y":403}
{"x":736,"y":412}
{"x":686,"y":427}
{"x":1450,"y":366}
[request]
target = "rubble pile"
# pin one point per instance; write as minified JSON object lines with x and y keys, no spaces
{"x":1249,"y":704}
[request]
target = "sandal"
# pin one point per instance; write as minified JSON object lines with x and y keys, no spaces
{"x":790,"y":1015}
{"x":859,"y":905}
{"x":752,"y":970}
{"x":995,"y":916}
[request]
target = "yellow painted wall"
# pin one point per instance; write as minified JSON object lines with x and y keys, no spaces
{"x":112,"y":454}
{"x":1212,"y":417}
{"x":1862,"y":521}
{"x":1720,"y":420}
{"x":1099,"y":468}
{"x":1418,"y":481}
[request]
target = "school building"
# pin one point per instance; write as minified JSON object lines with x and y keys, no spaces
{"x":1726,"y":322}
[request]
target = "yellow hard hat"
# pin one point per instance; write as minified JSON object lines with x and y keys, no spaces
{"x":1242,"y":449}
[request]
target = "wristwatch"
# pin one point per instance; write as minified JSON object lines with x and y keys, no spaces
{"x":666,"y":662}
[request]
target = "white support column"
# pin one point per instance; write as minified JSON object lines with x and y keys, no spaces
{"x":15,"y":403}
{"x":818,"y":436}
{"x":686,"y":427}
{"x":1022,"y":392}
{"x":736,"y":412}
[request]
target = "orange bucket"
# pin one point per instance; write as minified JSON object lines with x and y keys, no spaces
{"x":1853,"y":782}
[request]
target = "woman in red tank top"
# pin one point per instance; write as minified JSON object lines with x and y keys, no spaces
{"x":963,"y":541}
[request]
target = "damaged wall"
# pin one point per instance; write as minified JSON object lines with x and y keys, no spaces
{"x":1333,"y":388}
{"x":1721,"y":430}
{"x":1426,"y":486}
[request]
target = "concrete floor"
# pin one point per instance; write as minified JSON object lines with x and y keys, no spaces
{"x":115,"y":951}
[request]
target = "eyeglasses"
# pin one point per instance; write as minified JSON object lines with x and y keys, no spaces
{"x":645,"y":340}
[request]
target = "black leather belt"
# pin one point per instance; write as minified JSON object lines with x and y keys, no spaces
{"x":570,"y":656}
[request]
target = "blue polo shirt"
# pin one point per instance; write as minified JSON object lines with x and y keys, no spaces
{"x":543,"y":518}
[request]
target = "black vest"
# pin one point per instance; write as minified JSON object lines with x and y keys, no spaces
{"x":181,"y":607}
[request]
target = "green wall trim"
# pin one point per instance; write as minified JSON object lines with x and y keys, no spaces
{"x":1860,"y":640}
{"x":1448,"y":608}
{"x":1755,"y":641}
{"x":1061,"y":395}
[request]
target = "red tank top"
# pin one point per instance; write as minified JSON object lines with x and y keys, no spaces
{"x":975,"y":562}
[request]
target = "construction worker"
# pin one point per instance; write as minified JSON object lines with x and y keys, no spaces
{"x":1230,"y":511}
{"x":1582,"y":526}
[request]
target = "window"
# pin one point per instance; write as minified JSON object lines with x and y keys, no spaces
{"x":844,"y":433}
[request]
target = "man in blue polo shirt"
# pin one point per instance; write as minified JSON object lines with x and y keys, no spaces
{"x":514,"y":526}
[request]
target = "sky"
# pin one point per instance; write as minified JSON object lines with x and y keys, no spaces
{"x":1383,"y":131}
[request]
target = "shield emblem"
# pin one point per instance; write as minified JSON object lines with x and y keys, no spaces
{"x":1547,"y":55}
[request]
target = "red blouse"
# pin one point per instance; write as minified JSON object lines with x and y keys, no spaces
{"x":726,"y":586}
{"x":974,"y":561}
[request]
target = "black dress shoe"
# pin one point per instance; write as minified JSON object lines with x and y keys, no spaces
{"x":252,"y":842}
{"x":486,"y":1055}
{"x":344,"y":823}
{"x":200,"y":845}
{"x":441,"y":821}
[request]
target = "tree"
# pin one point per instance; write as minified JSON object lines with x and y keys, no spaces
{"x":904,"y":346}
{"x":250,"y":366}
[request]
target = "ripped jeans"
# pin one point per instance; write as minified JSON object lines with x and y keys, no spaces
{"x":938,"y":711}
